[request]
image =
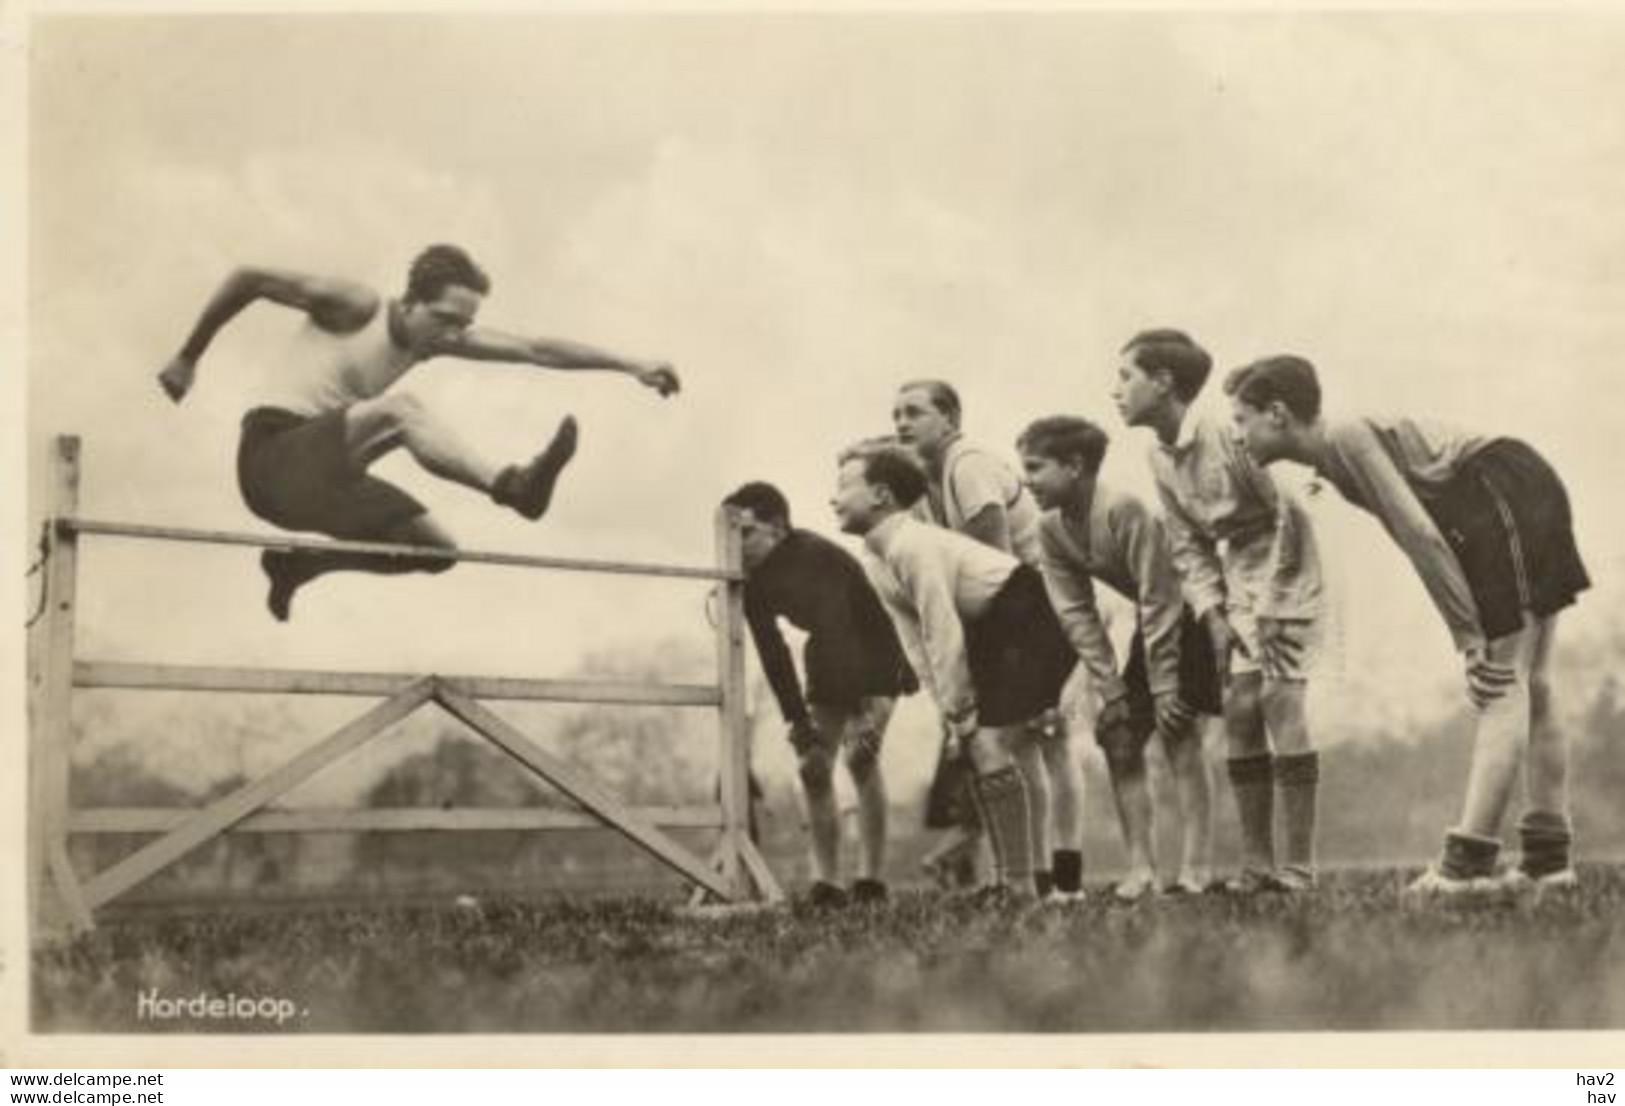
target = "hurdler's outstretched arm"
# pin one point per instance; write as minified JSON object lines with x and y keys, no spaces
{"x":480,"y":344}
{"x":340,"y":306}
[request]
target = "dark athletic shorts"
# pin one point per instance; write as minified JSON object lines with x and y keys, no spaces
{"x":294,"y":472}
{"x":1506,"y":516}
{"x":1018,"y":654}
{"x":1199,"y":684}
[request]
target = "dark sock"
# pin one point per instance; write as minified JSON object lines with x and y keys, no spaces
{"x":1068,"y":868}
{"x":1252,"y":779}
{"x":1545,"y":839}
{"x":868,"y":890}
{"x":1043,"y":882}
{"x":1468,"y":856}
{"x":1002,"y":800}
{"x":1297,"y":779}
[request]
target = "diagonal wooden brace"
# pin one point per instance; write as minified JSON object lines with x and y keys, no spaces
{"x":576,"y":785}
{"x":223,"y":813}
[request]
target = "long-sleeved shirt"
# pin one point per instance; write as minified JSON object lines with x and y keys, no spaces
{"x":974,"y":479}
{"x":852,"y":649}
{"x":1212,"y":491}
{"x":933,"y":582}
{"x":1388,"y":466}
{"x":1117,"y":539}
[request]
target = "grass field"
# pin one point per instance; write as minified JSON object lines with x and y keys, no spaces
{"x":1348,"y":957}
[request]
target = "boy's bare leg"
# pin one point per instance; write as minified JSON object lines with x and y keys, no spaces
{"x":1187,"y":761}
{"x":815,"y":765}
{"x":1131,"y":793}
{"x":1502,"y":731}
{"x":1065,"y":773}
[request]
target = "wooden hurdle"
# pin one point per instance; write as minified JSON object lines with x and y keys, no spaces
{"x":60,"y":898}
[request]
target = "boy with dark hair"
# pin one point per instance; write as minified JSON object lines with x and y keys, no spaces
{"x":979,"y":629}
{"x":1486,"y":523}
{"x":855,"y":669}
{"x":973,"y":491}
{"x":332,"y":411}
{"x":1090,"y":531}
{"x":1246,"y":553}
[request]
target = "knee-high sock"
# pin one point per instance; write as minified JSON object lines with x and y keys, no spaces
{"x":1297,"y":779}
{"x":1252,"y":778}
{"x":1002,"y":798}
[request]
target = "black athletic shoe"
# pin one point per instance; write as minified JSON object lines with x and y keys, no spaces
{"x":282,"y":570}
{"x":529,"y":489}
{"x":868,"y":892}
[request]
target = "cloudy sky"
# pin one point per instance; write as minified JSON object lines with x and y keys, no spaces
{"x":801,"y":212}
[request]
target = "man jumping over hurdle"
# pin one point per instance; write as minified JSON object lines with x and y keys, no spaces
{"x":332,"y":411}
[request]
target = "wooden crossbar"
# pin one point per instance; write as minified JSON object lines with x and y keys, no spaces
{"x":224,"y":812}
{"x":576,"y":785}
{"x":161,"y":677}
{"x":383,"y":549}
{"x":104,"y":820}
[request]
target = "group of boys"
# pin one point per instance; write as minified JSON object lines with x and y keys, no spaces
{"x":979,"y":583}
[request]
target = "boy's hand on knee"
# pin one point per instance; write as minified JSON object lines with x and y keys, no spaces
{"x":1487,"y":680}
{"x":1174,"y":715}
{"x":1281,"y":643}
{"x":803,"y":736}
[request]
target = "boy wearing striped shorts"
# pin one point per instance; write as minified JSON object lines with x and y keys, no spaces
{"x":1485,"y":521}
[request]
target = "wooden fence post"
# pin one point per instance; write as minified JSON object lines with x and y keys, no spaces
{"x":51,"y":876}
{"x":734,"y":752}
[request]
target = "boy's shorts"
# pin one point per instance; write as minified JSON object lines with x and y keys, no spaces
{"x":294,"y":472}
{"x":843,"y":727}
{"x":1247,"y":579}
{"x":1019,"y":657}
{"x":1506,"y":515}
{"x":1199,"y":684}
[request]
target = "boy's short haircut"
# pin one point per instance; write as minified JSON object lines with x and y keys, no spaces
{"x":442,"y":265}
{"x":1175,"y":353}
{"x":1286,"y":377}
{"x":943,"y":397}
{"x":896,"y":470}
{"x":1066,"y":438}
{"x":763,"y":500}
{"x":859,"y":450}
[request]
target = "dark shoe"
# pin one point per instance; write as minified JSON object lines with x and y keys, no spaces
{"x":282,"y":570}
{"x":529,"y":489}
{"x":826,"y":896}
{"x":868,"y":892}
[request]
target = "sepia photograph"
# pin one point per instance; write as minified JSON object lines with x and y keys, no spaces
{"x":699,"y":521}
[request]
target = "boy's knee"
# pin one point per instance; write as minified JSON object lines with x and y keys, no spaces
{"x":815,"y":769}
{"x":1281,"y":698}
{"x":1540,"y":694}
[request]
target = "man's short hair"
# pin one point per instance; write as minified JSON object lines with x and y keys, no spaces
{"x":942,"y":395}
{"x":763,"y":500}
{"x":1066,"y":438}
{"x":896,"y":470}
{"x":1286,"y":377}
{"x":442,"y":265}
{"x":1175,"y":353}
